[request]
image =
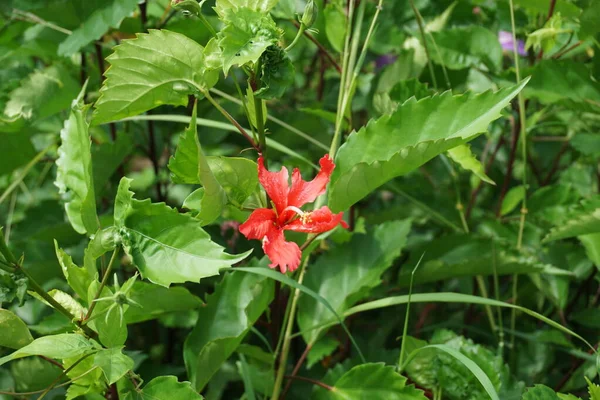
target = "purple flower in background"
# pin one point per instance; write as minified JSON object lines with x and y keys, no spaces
{"x":384,"y":60}
{"x":506,"y":41}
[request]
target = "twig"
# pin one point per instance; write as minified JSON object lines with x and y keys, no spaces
{"x":321,"y":48}
{"x":313,"y":381}
{"x":562,"y":53}
{"x":296,"y":369}
{"x":511,"y":160}
{"x":102,"y":284}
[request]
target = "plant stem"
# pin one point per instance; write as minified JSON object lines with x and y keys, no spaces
{"x":313,"y":381}
{"x":522,"y":119}
{"x":424,"y":39}
{"x":103,"y":283}
{"x":260,"y":126}
{"x":400,"y":365}
{"x":296,"y":369}
{"x":24,"y":172}
{"x":301,"y":30}
{"x":285,"y":349}
{"x":232,"y":120}
{"x":321,"y":48}
{"x":207,"y":24}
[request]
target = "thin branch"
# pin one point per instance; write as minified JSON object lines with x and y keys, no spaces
{"x":321,"y":48}
{"x":313,"y":381}
{"x":511,"y":161}
{"x":102,"y":284}
{"x":296,"y":369}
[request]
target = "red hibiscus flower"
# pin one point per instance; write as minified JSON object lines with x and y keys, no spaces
{"x":269,"y":224}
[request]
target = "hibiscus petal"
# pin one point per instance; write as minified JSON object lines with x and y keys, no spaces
{"x":321,"y":220}
{"x":258,"y":225}
{"x":303,"y":192}
{"x":284,"y":254}
{"x":275,"y":183}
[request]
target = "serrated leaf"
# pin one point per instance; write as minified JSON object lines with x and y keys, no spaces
{"x":158,"y":67}
{"x":373,"y":381}
{"x":459,"y":48}
{"x":57,"y":346}
{"x":464,"y":157}
{"x":74,"y":176}
{"x":43,"y":93}
{"x":222,"y":7}
{"x":593,"y":389}
{"x":345,"y":275}
{"x":540,"y":392}
{"x":404,"y":90}
{"x":582,"y":220}
{"x":78,"y":278}
{"x":417,"y":131}
{"x":246,"y":36}
{"x":229,"y":314}
{"x":14,"y":333}
{"x":167,"y":247}
{"x":189,"y":157}
{"x":113,"y":363}
{"x":277,"y":73}
{"x":108,"y":14}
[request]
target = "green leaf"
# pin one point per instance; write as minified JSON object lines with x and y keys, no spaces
{"x":222,"y":7}
{"x":590,"y":20}
{"x":464,"y":157}
{"x":545,"y":38}
{"x":540,"y":392}
{"x":58,"y":346}
{"x":467,"y":362}
{"x":593,"y":389}
{"x":44,"y":93}
{"x":164,"y":388}
{"x":64,"y":299}
{"x":223,"y":323}
{"x":113,"y":363}
{"x":587,"y":143}
{"x":14,"y":333}
{"x":74,"y":176}
{"x":189,"y":152}
{"x":159,"y":67}
{"x":566,"y":8}
{"x":344,"y":275}
{"x":17,"y":150}
{"x":512,"y":199}
{"x":246,"y":36}
{"x":371,"y":381}
{"x":460,"y":48}
{"x":79,"y":279}
{"x":404,"y":90}
{"x":581,"y":220}
{"x":277,"y":73}
{"x":416,"y":132}
{"x":556,"y":80}
{"x":108,"y":14}
{"x":107,"y":158}
{"x":157,"y":301}
{"x":336,"y":24}
{"x":166,"y":246}
{"x":459,"y":255}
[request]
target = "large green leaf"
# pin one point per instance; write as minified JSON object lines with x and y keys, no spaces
{"x":555,"y":80}
{"x":345,"y":275}
{"x":159,"y":67}
{"x":113,"y":363}
{"x":58,"y":346}
{"x":247,"y":35}
{"x":189,"y":156}
{"x":223,"y":6}
{"x":156,"y":301}
{"x":14,"y":333}
{"x":416,"y":132}
{"x":229,"y":314}
{"x":166,"y":246}
{"x":74,"y":176}
{"x":460,"y":255}
{"x":45,"y":92}
{"x":373,"y":381}
{"x":582,"y":220}
{"x":163,"y":388}
{"x":105,"y":15}
{"x":460,"y":48}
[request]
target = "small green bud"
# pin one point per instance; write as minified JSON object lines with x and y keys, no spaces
{"x":310,"y":14}
{"x":187,"y":6}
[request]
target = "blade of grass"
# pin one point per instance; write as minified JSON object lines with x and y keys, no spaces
{"x":406,"y":316}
